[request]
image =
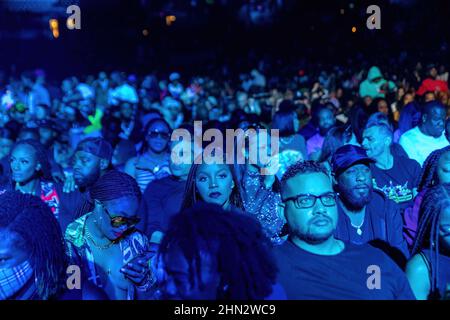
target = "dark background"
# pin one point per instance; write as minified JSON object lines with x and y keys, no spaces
{"x":210,"y":33}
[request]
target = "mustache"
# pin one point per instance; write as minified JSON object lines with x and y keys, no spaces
{"x":321,"y":217}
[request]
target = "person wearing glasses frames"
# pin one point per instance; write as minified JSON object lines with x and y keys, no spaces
{"x":313,"y":263}
{"x":428,"y":270}
{"x":106,"y":244}
{"x":153,"y":162}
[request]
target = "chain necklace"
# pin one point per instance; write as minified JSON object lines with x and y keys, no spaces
{"x":91,"y":239}
{"x":358,"y":228}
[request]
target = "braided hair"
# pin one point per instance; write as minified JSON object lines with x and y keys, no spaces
{"x":36,"y":225}
{"x":435,"y":200}
{"x":234,"y":241}
{"x":428,"y":177}
{"x":114,"y":185}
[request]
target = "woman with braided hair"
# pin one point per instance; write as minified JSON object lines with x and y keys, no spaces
{"x":435,"y":171}
{"x":428,"y":270}
{"x":212,"y":254}
{"x":32,"y":259}
{"x":105,"y":243}
{"x":31,"y":173}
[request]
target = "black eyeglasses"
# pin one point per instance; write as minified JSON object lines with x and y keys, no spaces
{"x":119,"y":221}
{"x":304,"y":201}
{"x":156,"y":134}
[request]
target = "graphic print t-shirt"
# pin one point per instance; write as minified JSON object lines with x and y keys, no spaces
{"x":398,"y":182}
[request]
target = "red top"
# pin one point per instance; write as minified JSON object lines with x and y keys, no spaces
{"x":432,"y":85}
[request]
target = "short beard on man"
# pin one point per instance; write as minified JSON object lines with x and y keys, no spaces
{"x":352,"y":202}
{"x":311,"y":238}
{"x":88,"y":180}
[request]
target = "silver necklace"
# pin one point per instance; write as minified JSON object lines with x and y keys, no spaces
{"x":358,"y":228}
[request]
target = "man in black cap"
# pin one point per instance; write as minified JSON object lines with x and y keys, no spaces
{"x":365,"y":214}
{"x":91,"y":160}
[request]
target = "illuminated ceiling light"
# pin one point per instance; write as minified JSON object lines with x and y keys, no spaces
{"x":353,"y":29}
{"x":170,"y":20}
{"x":54,"y":27}
{"x":53,"y":23}
{"x":145,"y":32}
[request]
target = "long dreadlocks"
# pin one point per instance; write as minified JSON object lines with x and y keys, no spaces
{"x":234,"y":241}
{"x":435,"y":200}
{"x":428,"y":176}
{"x":36,"y":225}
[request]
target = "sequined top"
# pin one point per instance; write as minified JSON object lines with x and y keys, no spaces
{"x":263,"y":203}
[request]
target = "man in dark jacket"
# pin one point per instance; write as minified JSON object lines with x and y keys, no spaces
{"x":365,"y":215}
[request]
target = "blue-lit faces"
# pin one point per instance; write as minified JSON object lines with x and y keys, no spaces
{"x":434,"y":122}
{"x":375,"y":142}
{"x":23,"y":163}
{"x":158,"y":137}
{"x":86,"y":168}
{"x":214,"y":183}
{"x":5,"y":147}
{"x":444,"y":228}
{"x":443,"y":168}
{"x":124,"y":208}
{"x":181,"y":170}
{"x":317,"y":223}
{"x":355,"y":186}
{"x":12,"y":252}
{"x":326,"y":120}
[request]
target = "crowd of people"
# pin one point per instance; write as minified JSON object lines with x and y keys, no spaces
{"x":89,"y":178}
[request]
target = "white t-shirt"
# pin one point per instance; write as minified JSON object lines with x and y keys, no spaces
{"x":418,"y":146}
{"x":124,"y":92}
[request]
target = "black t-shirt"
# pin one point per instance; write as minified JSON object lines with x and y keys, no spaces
{"x":344,"y":276}
{"x":398,"y":182}
{"x":161,"y":200}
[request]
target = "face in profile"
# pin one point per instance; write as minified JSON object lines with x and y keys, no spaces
{"x":309,"y":218}
{"x":434,"y":122}
{"x":355,"y":186}
{"x":176,"y":282}
{"x":86,"y":168}
{"x":24,"y":164}
{"x":214,"y":183}
{"x":374,"y":142}
{"x":444,"y":229}
{"x":443,"y":168}
{"x":117,"y":216}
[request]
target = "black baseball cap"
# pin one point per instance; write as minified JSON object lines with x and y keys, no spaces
{"x":347,"y":156}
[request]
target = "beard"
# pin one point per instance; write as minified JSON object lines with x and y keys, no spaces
{"x":352,"y":201}
{"x":314,"y":237}
{"x":88,"y":180}
{"x":323,"y":131}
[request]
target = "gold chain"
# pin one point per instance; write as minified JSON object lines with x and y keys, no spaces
{"x":91,"y":239}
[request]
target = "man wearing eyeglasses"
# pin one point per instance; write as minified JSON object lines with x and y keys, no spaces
{"x":365,"y":214}
{"x":313,"y":263}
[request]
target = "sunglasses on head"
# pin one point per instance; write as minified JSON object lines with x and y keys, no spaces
{"x":119,"y":221}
